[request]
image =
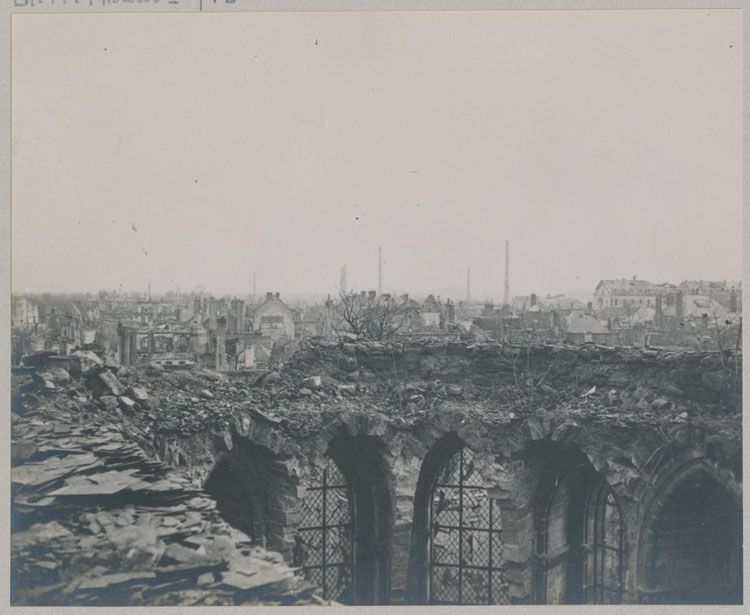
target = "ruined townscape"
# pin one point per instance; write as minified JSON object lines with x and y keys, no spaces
{"x":368,"y":448}
{"x":374,"y":307}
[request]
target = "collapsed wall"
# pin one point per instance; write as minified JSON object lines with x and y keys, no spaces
{"x":432,"y":472}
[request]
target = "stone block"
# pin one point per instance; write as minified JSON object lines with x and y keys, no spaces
{"x":106,"y":383}
{"x":127,"y":403}
{"x":312,"y":382}
{"x":86,"y":361}
{"x":57,"y":375}
{"x":137,"y":393}
{"x":108,"y":402}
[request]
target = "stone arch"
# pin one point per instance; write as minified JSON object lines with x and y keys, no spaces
{"x":436,"y":458}
{"x":690,"y":542}
{"x":366,"y":522}
{"x":456,"y":554}
{"x":578,"y":534}
{"x":362,"y":462}
{"x":256,"y":492}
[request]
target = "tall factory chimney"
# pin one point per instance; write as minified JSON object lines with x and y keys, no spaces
{"x":468,"y":284}
{"x":342,"y":280}
{"x":380,"y":271}
{"x":506,"y":293}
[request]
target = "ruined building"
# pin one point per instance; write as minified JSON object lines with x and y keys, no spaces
{"x":454,"y":473}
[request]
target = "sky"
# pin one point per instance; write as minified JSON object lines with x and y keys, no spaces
{"x":196,"y":149}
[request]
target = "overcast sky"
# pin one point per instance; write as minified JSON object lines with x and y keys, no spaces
{"x":195,"y":149}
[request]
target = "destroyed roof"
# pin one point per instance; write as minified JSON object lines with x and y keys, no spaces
{"x":717,"y":286}
{"x":695,"y":306}
{"x":579,"y":322}
{"x":635,"y":287}
{"x":643,"y":314}
{"x":431,"y":304}
{"x":61,"y":308}
{"x":407,"y":302}
{"x":270,"y":302}
{"x":560,"y":302}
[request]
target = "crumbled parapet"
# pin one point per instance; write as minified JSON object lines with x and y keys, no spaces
{"x":96,"y":522}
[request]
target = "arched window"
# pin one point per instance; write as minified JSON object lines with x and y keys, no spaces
{"x":578,"y":536}
{"x":245,"y":483}
{"x":603,"y":540}
{"x":325,"y":536}
{"x":344,"y":537}
{"x":465,"y":538}
{"x":692,"y":542}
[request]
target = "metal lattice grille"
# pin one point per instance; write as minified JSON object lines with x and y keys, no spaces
{"x":325,"y":536}
{"x":604,"y":546}
{"x":466,"y":549}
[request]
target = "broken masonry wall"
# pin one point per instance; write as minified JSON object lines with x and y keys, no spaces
{"x":513,"y":407}
{"x":511,"y":460}
{"x":703,"y":377}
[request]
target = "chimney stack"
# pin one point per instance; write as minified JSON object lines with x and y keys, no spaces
{"x":342,"y":280}
{"x":468,"y":284}
{"x":506,"y":293}
{"x":380,"y":271}
{"x":213,"y":310}
{"x":679,"y":305}
{"x":659,"y":309}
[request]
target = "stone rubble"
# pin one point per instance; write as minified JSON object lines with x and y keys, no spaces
{"x":96,"y":522}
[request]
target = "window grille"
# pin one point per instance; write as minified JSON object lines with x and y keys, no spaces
{"x":466,"y":549}
{"x":325,"y":537}
{"x":604,"y":548}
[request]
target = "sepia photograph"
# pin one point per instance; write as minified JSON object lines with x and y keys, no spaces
{"x":376,"y":308}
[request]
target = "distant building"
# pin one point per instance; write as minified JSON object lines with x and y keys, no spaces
{"x":141,"y":345}
{"x":64,"y":324}
{"x":726,"y":293}
{"x":23,"y":312}
{"x":557,"y":303}
{"x":255,"y":356}
{"x":696,"y":307}
{"x":623,"y":297}
{"x":431,"y":312}
{"x":583,"y":328}
{"x":274,"y":319}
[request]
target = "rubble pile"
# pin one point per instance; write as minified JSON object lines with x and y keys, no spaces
{"x":404,"y":383}
{"x":96,"y":522}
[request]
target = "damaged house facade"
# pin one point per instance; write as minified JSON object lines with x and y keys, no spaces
{"x":227,"y":335}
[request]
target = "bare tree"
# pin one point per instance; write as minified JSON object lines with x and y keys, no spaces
{"x":374,"y":318}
